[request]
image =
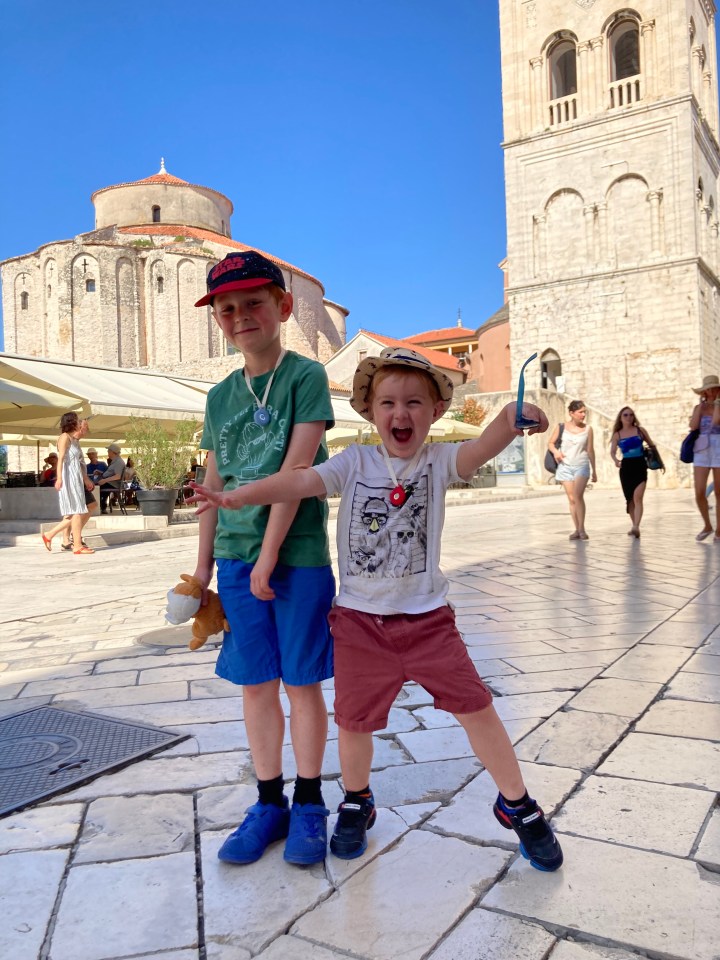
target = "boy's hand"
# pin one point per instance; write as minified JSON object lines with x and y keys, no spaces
{"x":530,"y":412}
{"x":206,"y":498}
{"x":204,"y":575}
{"x":260,"y":578}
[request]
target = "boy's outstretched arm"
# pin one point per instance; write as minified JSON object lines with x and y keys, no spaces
{"x":301,"y":451}
{"x":292,"y":484}
{"x":474,"y":453}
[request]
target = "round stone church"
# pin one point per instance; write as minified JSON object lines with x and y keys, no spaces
{"x":123,"y":294}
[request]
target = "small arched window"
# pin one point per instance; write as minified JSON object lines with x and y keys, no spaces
{"x":563,"y":70}
{"x":156,"y":214}
{"x":89,"y":286}
{"x":160,"y":285}
{"x":625,"y":50}
{"x":24,"y":300}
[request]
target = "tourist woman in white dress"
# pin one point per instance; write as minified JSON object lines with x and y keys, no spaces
{"x":72,"y":481}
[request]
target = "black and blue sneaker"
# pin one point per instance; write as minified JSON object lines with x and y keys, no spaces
{"x":538,"y":843}
{"x":264,"y":823}
{"x":307,"y":839}
{"x":349,"y":839}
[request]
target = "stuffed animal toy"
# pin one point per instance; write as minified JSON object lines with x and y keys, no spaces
{"x":183,"y":602}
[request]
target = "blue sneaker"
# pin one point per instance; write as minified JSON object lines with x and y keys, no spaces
{"x":264,"y":823}
{"x":307,"y":839}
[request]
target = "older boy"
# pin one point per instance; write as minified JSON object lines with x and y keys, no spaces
{"x":391,"y":622}
{"x":274,"y":575}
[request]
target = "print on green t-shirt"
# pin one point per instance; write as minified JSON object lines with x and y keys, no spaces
{"x":245,"y":451}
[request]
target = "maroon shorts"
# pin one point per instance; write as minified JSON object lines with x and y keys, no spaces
{"x":375,"y":656}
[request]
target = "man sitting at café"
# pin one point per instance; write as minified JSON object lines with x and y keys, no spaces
{"x":49,"y":474}
{"x":95,"y":466}
{"x":111,"y":480}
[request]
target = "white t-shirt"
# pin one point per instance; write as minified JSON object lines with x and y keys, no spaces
{"x":389,"y":557}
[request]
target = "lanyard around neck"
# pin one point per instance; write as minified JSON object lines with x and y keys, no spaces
{"x":261,"y":416}
{"x":399,"y":493}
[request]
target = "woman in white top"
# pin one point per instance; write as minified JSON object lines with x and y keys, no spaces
{"x":706,"y":452}
{"x":576,"y":463}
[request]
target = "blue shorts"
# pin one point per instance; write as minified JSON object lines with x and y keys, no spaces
{"x":568,"y":471}
{"x":286,"y":638}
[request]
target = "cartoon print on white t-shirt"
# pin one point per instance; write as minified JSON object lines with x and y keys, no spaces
{"x":386,"y":541}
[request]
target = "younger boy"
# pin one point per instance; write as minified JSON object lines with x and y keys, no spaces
{"x":274,"y":575}
{"x":391,"y":621}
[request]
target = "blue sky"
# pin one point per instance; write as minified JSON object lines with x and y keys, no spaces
{"x":359,"y":141}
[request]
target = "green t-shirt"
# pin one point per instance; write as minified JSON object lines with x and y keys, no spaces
{"x":245,"y":452}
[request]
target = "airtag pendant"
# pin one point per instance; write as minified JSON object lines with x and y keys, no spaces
{"x":398,"y":496}
{"x":261,"y":417}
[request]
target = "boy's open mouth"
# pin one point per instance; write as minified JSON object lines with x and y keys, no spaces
{"x":402,"y":434}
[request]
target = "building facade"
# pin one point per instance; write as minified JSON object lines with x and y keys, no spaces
{"x":611,"y":172}
{"x":123,"y":294}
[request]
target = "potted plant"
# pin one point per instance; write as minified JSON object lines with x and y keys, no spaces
{"x":161,"y":456}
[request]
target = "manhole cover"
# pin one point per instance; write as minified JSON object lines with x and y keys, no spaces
{"x":47,"y":750}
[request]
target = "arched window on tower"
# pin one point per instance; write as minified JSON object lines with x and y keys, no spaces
{"x":624,"y":47}
{"x":551,"y":371}
{"x":160,"y":285}
{"x":24,"y":300}
{"x":156,"y":214}
{"x":562,"y":66}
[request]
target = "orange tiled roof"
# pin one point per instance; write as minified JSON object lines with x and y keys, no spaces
{"x":436,"y":357}
{"x":162,"y":178}
{"x":339,"y":387}
{"x":198,"y":233}
{"x":447,"y":333}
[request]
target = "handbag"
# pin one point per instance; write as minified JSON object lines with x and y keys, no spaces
{"x":653,"y":459}
{"x":550,"y":462}
{"x":687,"y":446}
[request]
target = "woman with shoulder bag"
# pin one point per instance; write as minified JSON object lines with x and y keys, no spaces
{"x":706,"y":451}
{"x":630,"y":437}
{"x":575,"y":460}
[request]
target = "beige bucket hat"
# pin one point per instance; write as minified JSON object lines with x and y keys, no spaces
{"x":709,"y":382}
{"x":398,"y":357}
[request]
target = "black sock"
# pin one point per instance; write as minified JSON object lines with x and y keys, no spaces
{"x":271,"y":791}
{"x":307,"y":790}
{"x":514,"y":804}
{"x":357,"y":796}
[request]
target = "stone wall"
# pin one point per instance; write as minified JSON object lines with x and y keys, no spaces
{"x":127,"y":303}
{"x":612,"y":205}
{"x":555,"y":407}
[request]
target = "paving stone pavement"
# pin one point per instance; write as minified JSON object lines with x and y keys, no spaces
{"x":605,"y":660}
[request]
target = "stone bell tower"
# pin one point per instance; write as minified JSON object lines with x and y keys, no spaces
{"x":611,"y":172}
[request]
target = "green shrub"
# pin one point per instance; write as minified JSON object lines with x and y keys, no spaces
{"x":161,"y":455}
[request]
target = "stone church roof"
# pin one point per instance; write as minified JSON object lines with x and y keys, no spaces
{"x":165,"y":178}
{"x":198,"y":233}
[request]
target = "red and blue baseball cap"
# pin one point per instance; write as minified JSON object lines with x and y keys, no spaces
{"x":241,"y":271}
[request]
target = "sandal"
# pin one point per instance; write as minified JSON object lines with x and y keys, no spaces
{"x":703,"y":535}
{"x":47,"y":542}
{"x":66,"y":546}
{"x":83,"y":550}
{"x":574,"y":536}
{"x":584,"y":536}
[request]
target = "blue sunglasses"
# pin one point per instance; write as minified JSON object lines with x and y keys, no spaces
{"x":521,"y":422}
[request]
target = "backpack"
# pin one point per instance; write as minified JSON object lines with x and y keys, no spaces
{"x":550,"y":461}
